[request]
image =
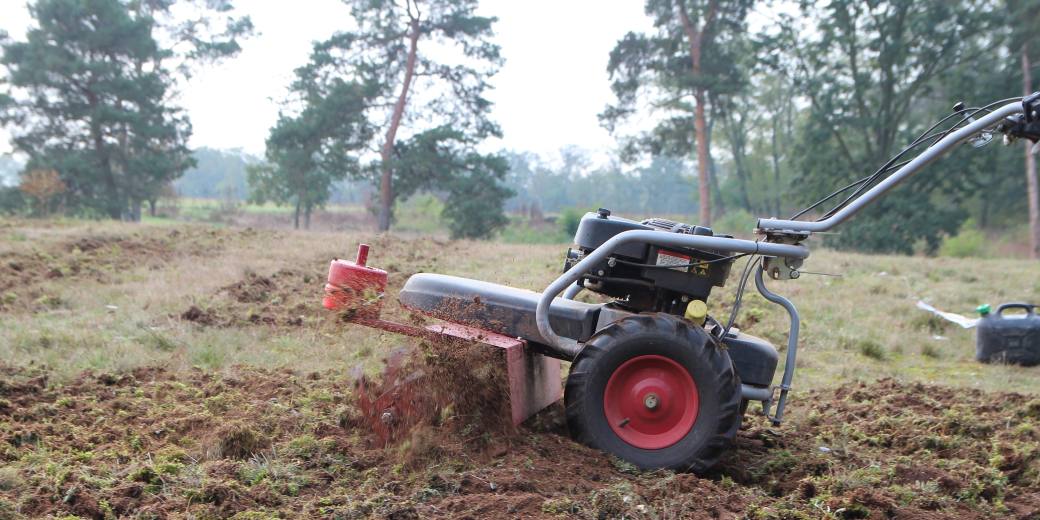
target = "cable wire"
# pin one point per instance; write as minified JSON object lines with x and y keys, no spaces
{"x":673,"y":266}
{"x":926,"y":137}
{"x":740,"y":295}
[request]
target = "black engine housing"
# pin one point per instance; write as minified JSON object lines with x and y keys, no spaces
{"x":637,"y":274}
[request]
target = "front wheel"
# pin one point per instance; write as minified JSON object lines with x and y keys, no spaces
{"x":654,"y":391}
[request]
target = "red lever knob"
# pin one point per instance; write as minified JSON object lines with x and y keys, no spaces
{"x":362,"y":254}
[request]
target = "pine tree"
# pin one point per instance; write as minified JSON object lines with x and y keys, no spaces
{"x":89,"y":94}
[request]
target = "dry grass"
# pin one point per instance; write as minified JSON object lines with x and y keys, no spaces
{"x":862,"y":325}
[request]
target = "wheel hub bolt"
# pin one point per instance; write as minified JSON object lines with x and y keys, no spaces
{"x":651,"y":401}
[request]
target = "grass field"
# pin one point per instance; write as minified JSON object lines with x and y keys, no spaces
{"x":189,"y":370}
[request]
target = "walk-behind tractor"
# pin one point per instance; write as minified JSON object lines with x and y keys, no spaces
{"x":653,"y":379}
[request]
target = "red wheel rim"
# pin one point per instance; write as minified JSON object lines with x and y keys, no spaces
{"x":651,"y":402}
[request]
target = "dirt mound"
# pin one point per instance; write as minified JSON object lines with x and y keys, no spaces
{"x":200,"y":316}
{"x":288,"y":297}
{"x":254,"y":288}
{"x":262,"y":442}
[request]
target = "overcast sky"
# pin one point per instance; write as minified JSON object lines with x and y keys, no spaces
{"x":547,"y":94}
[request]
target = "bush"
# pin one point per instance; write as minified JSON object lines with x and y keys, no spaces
{"x":12,"y":201}
{"x":896,"y":223}
{"x":738,"y":223}
{"x":420,"y":213}
{"x":969,"y":242}
{"x":569,"y":220}
{"x":871,"y":349}
{"x":474,"y":205}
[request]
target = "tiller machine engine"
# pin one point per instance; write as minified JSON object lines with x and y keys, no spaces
{"x":654,"y":379}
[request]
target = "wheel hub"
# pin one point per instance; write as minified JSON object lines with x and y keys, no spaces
{"x":651,"y":402}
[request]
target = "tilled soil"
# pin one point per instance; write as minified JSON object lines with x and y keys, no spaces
{"x":285,"y":297}
{"x":101,"y":258}
{"x":261,"y":443}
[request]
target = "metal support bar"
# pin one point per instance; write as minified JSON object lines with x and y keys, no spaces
{"x":792,"y":344}
{"x":934,"y":152}
{"x":572,"y":291}
{"x":570,"y":347}
{"x":755,"y":393}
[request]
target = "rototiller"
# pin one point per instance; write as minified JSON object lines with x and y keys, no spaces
{"x":653,"y":379}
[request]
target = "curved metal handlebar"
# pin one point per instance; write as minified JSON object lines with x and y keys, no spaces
{"x":571,"y":347}
{"x":932,"y":153}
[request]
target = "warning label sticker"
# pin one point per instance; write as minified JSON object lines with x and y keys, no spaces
{"x":681,"y":262}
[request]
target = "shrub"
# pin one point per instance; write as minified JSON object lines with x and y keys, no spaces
{"x":474,"y":210}
{"x":569,"y":220}
{"x":737,"y":223}
{"x":12,"y":201}
{"x":871,"y":349}
{"x":930,"y":351}
{"x":42,"y":186}
{"x":969,"y":242}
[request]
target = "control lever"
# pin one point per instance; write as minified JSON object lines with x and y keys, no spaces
{"x":1025,"y":125}
{"x":980,"y":139}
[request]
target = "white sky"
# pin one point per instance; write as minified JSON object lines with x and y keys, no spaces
{"x":546,"y":95}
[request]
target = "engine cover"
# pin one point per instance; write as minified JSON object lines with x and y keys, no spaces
{"x":645,"y":277}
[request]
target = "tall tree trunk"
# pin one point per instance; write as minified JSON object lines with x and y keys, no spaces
{"x":702,"y":160}
{"x":296,"y":214}
{"x":115,"y":208}
{"x":386,"y":190}
{"x":135,"y":210}
{"x":307,"y":217}
{"x":984,"y":211}
{"x":737,"y":142}
{"x":718,"y":204}
{"x":152,"y":203}
{"x":1031,"y":186}
{"x":776,"y":172}
{"x":695,"y":35}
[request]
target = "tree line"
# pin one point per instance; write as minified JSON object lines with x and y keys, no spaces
{"x":824,"y":93}
{"x":763,"y":118}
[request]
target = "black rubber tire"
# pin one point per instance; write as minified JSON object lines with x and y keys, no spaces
{"x":712,"y":371}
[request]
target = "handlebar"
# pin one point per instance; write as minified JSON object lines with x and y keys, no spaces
{"x":940,"y":148}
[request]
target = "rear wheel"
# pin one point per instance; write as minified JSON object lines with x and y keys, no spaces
{"x":653,"y":390}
